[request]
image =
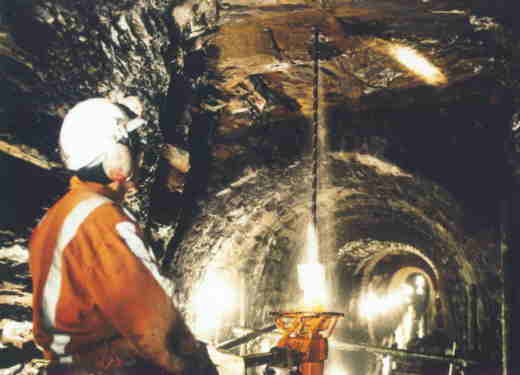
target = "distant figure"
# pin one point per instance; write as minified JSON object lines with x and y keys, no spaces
{"x":100,"y":304}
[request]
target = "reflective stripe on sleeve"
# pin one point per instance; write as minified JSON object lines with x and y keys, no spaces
{"x":59,"y":341}
{"x":127,"y":231}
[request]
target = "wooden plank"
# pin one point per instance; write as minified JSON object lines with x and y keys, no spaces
{"x":28,"y":154}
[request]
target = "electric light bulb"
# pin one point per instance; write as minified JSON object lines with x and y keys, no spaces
{"x":418,"y":64}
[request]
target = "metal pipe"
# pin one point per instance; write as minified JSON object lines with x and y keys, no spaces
{"x":251,"y":335}
{"x":257,"y":359}
{"x":352,"y":347}
{"x":347,"y":346}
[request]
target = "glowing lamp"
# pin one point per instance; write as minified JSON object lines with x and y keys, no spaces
{"x":311,"y":278}
{"x":372,"y":305}
{"x":418,"y":64}
{"x":218,"y":290}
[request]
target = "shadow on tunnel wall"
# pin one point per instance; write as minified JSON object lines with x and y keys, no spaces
{"x":266,"y":141}
{"x":22,"y":202}
{"x":192,"y":130}
{"x":456,"y":141}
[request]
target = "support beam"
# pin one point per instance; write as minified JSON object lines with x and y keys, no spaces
{"x":177,"y":158}
{"x":28,"y":154}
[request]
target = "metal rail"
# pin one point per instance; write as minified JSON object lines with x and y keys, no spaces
{"x":226,"y":345}
{"x":350,"y":347}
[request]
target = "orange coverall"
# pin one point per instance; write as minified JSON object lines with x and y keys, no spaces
{"x":98,"y":299}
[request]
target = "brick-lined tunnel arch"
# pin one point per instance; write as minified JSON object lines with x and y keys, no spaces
{"x":256,"y":228}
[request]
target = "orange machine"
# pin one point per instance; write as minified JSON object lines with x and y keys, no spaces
{"x":305,"y":335}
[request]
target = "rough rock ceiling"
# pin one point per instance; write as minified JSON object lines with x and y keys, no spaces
{"x":247,"y":67}
{"x":250,"y":71}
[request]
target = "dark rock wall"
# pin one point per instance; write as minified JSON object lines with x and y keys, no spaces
{"x":73,"y":50}
{"x":54,"y":54}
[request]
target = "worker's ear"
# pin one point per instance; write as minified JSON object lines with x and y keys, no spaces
{"x":118,"y":163}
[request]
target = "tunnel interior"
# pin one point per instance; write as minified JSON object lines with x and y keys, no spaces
{"x":403,"y":207}
{"x":377,"y":232}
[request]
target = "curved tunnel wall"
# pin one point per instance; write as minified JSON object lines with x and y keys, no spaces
{"x":255,"y":230}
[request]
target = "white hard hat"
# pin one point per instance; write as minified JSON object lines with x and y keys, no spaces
{"x":91,"y":131}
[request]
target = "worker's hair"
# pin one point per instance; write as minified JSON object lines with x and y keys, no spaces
{"x":94,"y":174}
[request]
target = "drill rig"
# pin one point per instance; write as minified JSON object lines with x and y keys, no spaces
{"x":302,"y":347}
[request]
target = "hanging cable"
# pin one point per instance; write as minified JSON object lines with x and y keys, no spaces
{"x":315,"y":134}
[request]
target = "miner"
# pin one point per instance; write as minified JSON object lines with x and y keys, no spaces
{"x":100,"y":304}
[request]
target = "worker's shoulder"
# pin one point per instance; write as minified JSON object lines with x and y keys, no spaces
{"x":86,"y":209}
{"x":105,"y":213}
{"x":105,"y":210}
{"x":71,"y":210}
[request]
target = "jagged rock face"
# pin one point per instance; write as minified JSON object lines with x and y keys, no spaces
{"x":54,"y":54}
{"x":73,"y":50}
